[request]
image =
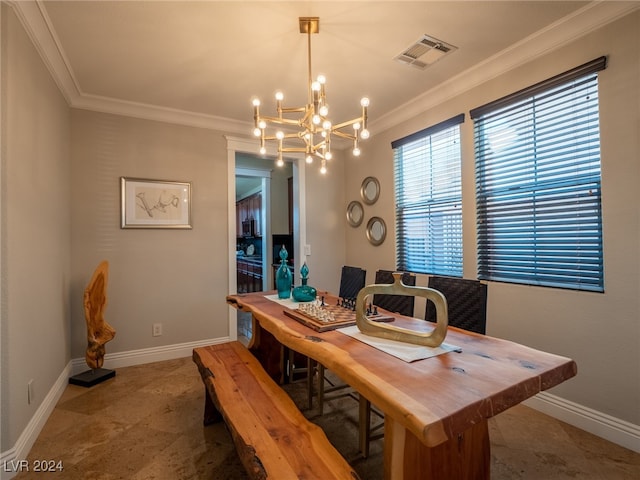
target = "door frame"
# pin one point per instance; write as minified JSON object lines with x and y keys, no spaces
{"x":244,"y":145}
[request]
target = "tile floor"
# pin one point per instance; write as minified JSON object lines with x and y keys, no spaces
{"x":146,"y":423}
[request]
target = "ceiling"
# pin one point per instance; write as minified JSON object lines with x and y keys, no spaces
{"x":202,"y":62}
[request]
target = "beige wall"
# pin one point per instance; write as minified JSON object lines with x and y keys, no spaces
{"x":326,"y":223}
{"x":600,"y":331}
{"x":35,"y":230}
{"x":173,"y":277}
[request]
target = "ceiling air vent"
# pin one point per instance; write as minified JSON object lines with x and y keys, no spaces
{"x":424,"y":52}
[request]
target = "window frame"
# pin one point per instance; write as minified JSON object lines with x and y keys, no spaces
{"x":446,"y":257}
{"x":498,"y":201}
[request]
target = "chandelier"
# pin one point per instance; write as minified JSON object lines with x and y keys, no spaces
{"x":311,"y":132}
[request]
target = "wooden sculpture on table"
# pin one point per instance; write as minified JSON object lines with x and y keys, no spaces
{"x":99,"y":332}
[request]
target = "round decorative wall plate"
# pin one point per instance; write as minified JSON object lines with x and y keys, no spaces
{"x":355,"y":213}
{"x":370,"y":190}
{"x":376,"y":230}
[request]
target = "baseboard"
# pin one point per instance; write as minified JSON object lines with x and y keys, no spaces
{"x":10,"y":459}
{"x":146,"y":355}
{"x":613,"y":429}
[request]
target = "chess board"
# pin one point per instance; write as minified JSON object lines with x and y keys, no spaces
{"x":343,"y":317}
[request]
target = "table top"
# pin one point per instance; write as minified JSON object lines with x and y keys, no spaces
{"x":436,"y":398}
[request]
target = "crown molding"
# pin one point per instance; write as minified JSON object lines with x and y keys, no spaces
{"x":38,"y":27}
{"x":596,"y":14}
{"x":162,"y":114}
{"x":583,"y":21}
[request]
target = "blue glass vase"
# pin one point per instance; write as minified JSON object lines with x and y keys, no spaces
{"x":283,"y":275}
{"x":304,"y":293}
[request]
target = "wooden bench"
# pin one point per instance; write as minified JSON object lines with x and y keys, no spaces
{"x":273,"y":438}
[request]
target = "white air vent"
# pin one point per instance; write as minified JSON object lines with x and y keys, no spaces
{"x":425,"y":52}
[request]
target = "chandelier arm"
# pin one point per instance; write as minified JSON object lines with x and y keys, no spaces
{"x":294,"y":149}
{"x":318,"y":146}
{"x":293,"y":109}
{"x":347,"y":123}
{"x":343,"y":135}
{"x":305,"y":121}
{"x":281,"y":121}
{"x":286,"y":136}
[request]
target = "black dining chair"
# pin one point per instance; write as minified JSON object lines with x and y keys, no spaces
{"x":352,"y":280}
{"x":466,"y":302}
{"x":402,"y":304}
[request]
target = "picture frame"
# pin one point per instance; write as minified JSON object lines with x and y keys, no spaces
{"x":147,"y":203}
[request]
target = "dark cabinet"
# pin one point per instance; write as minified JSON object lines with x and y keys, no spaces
{"x":249,"y":274}
{"x":248,"y":209}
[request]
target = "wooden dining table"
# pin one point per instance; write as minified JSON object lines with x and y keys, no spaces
{"x":436,"y":409}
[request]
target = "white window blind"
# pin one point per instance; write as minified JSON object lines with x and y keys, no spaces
{"x":428,"y":196}
{"x":538,"y":184}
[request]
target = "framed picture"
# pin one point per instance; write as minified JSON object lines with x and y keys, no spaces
{"x":154,"y":203}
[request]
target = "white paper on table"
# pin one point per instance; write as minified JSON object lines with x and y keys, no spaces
{"x":408,"y":352}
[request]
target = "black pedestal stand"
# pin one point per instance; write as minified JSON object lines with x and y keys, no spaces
{"x":92,"y":377}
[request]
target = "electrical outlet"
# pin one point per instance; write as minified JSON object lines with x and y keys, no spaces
{"x":157,"y":329}
{"x":30,"y":397}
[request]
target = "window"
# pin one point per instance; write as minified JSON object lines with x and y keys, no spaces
{"x":429,"y":200}
{"x":538,"y":184}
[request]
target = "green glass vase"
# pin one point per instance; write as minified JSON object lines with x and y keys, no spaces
{"x":283,"y":275}
{"x":304,"y":292}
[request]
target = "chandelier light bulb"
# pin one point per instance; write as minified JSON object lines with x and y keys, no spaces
{"x":257,"y":132}
{"x":315,"y":86}
{"x":263,"y":150}
{"x":323,"y":169}
{"x":322,"y":79}
{"x":356,"y":152}
{"x":279,"y":96}
{"x":326,"y":125}
{"x":316,"y":119}
{"x":324,"y":110}
{"x":262,"y":124}
{"x":309,"y":159}
{"x":364,"y":102}
{"x":364,"y":134}
{"x":279,"y":134}
{"x":328,"y":155}
{"x":256,"y":102}
{"x":280,"y":162}
{"x":356,"y":126}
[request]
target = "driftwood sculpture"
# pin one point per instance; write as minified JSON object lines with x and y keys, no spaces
{"x":99,"y":331}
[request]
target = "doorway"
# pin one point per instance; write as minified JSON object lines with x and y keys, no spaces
{"x":281,"y":212}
